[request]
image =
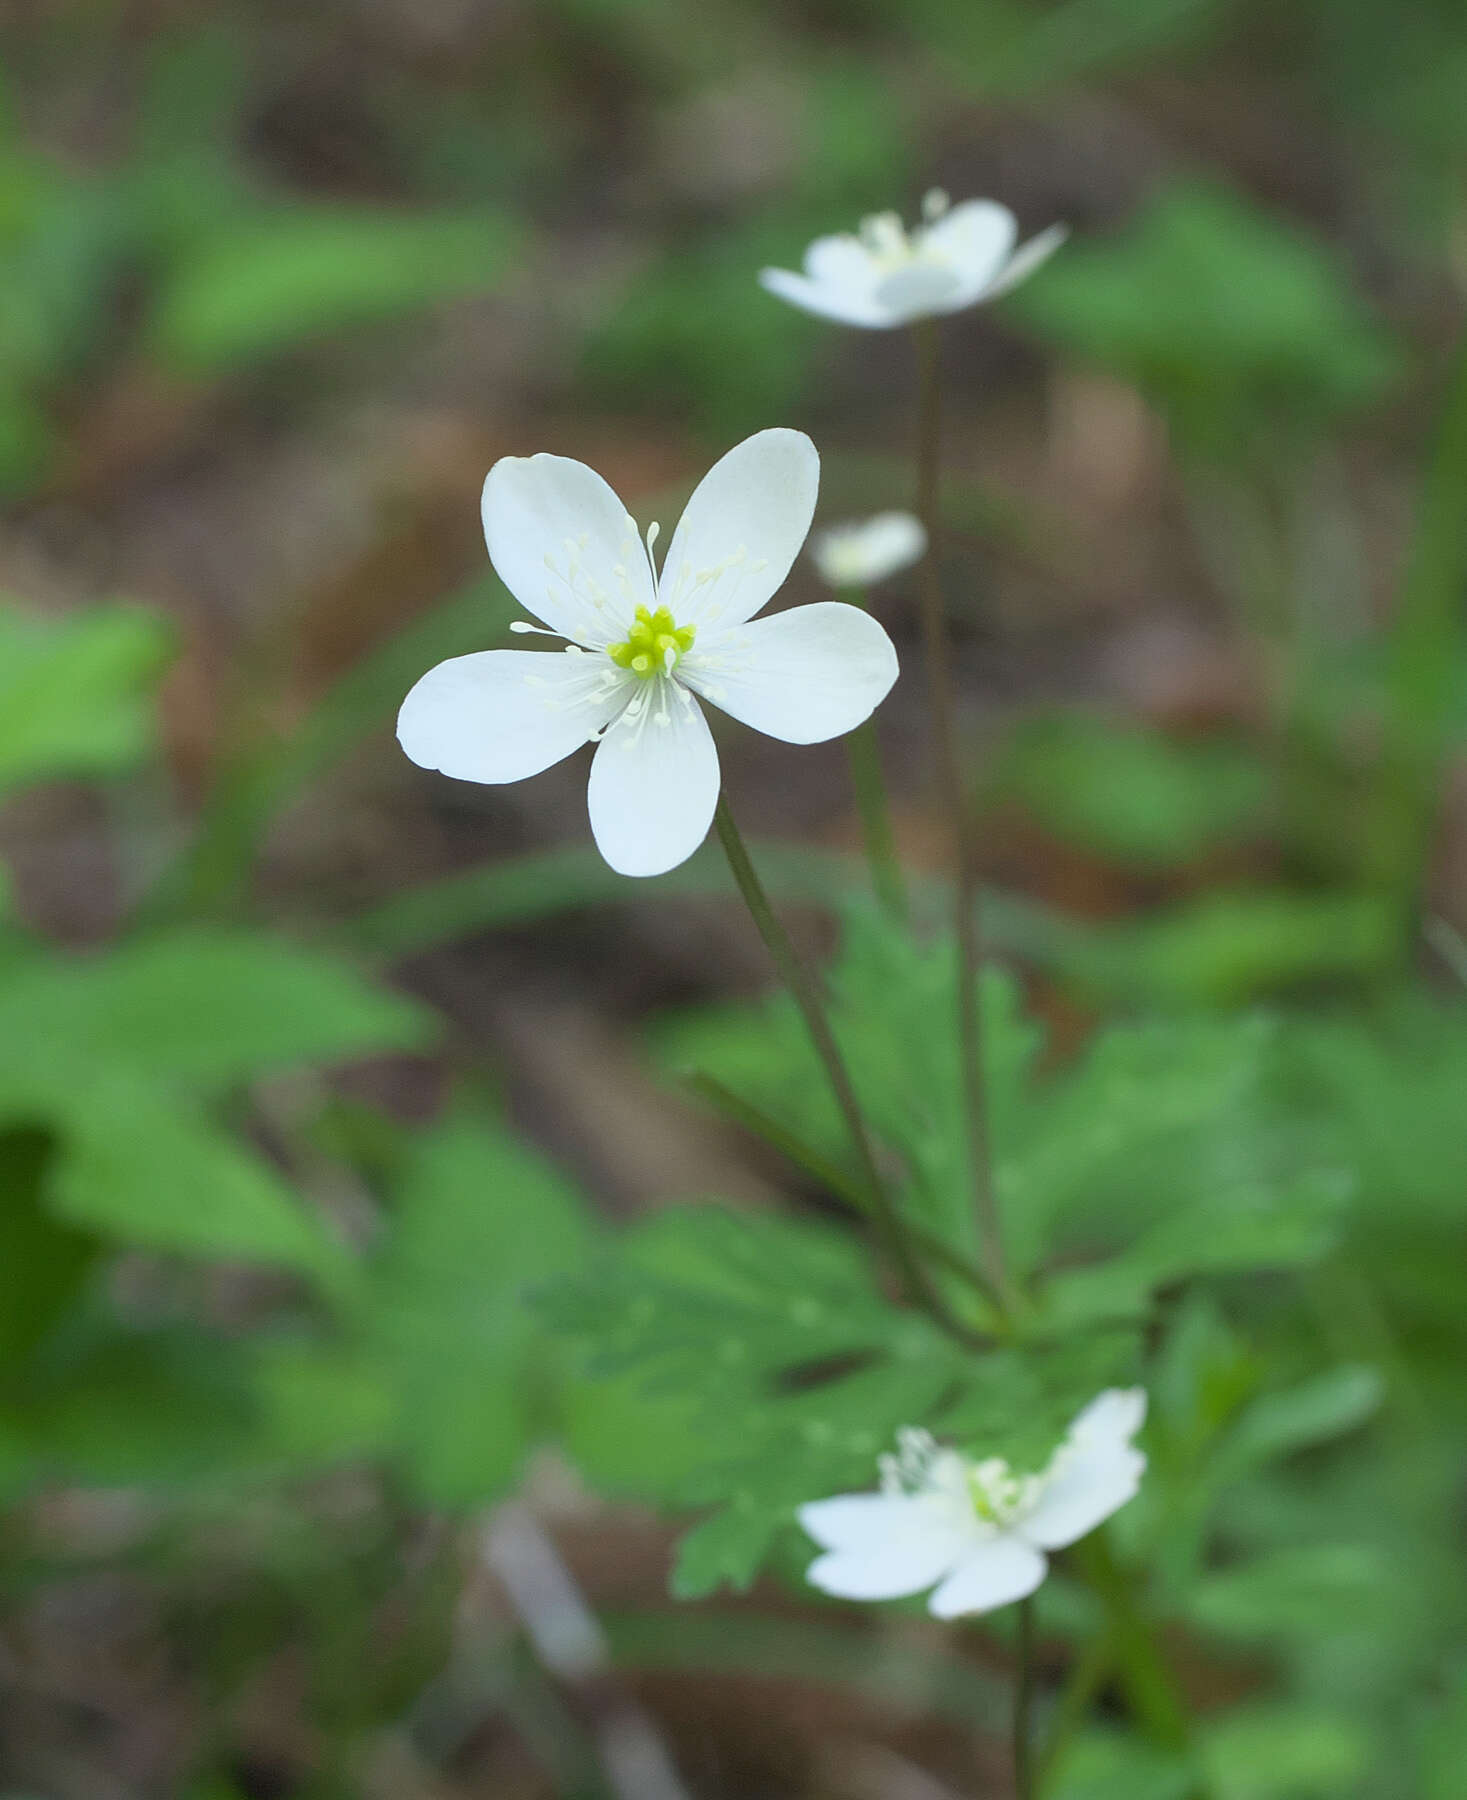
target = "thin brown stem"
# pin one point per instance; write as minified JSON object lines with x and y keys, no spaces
{"x":950,"y":776}
{"x":806,"y":995}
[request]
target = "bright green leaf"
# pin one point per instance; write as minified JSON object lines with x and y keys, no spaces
{"x":1283,"y":1752}
{"x":261,"y":286}
{"x":76,"y":693}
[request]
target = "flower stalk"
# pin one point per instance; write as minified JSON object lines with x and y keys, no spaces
{"x":1149,"y":1685}
{"x":806,"y":995}
{"x":938,"y":649}
{"x":1024,"y":1702}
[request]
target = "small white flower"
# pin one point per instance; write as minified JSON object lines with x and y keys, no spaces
{"x":643,"y":645}
{"x":977,"y":1531}
{"x":887,"y":275}
{"x":868,"y":550}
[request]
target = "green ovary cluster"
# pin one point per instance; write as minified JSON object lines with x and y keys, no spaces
{"x":996,"y":1492}
{"x":655,"y":644}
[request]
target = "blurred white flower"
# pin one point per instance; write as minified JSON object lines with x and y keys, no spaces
{"x":868,"y":550}
{"x":975,"y":1532}
{"x":642,"y":646}
{"x":886,"y":275}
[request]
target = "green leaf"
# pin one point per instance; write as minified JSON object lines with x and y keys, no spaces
{"x":1230,"y":947}
{"x":104,"y":1051}
{"x":1153,"y":306}
{"x":1314,"y":1412}
{"x":76,"y":695}
{"x":1163,"y":1139}
{"x":171,"y":1407}
{"x":1274,"y":1226}
{"x":480,"y":1219}
{"x":43,"y":1262}
{"x":207,"y":1009}
{"x":1169,"y":1145}
{"x":1283,"y":1752}
{"x":323,"y":1404}
{"x":1106,"y":1766}
{"x":1444,"y":1747}
{"x":769,"y":1370}
{"x":264,"y":285}
{"x":727,"y":1548}
{"x":1130,"y":792}
{"x":1310,"y":1593}
{"x":143,"y":1171}
{"x":714,"y":1301}
{"x":887,"y":986}
{"x":628,"y":1442}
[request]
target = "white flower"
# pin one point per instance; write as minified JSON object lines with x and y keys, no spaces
{"x":888,"y":276}
{"x":977,"y":1531}
{"x":868,"y":550}
{"x":641,"y":647}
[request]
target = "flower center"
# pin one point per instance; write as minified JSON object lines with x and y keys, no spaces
{"x":888,"y":242}
{"x":915,"y":274}
{"x":655,"y":645}
{"x":997,"y":1493}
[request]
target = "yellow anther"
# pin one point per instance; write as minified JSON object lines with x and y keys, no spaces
{"x":655,"y":643}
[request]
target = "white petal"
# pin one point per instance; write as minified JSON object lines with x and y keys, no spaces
{"x":1086,"y":1483}
{"x":802,"y":676}
{"x":862,"y":1521}
{"x":654,"y":782}
{"x":974,"y":239}
{"x":1112,"y":1417}
{"x":998,"y":1571}
{"x":842,"y":261}
{"x":742,"y":529}
{"x":899,"y":1544}
{"x":828,"y":300}
{"x":500,"y":715}
{"x":920,"y":289}
{"x":859,"y":554}
{"x":1026,"y":260}
{"x":558,"y":535}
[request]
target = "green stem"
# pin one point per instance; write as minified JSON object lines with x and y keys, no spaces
{"x":1422,"y":674}
{"x":950,"y":775}
{"x":1082,"y":1685}
{"x":870,"y":788}
{"x":1024,"y":1703}
{"x":755,"y":1120}
{"x":806,"y":995}
{"x":1150,"y":1687}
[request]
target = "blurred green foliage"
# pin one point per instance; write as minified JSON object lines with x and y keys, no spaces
{"x":1160,"y":307}
{"x":1134,"y":796}
{"x":231,"y":274}
{"x":76,"y":697}
{"x":224,"y":1281}
{"x":125,"y":1079}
